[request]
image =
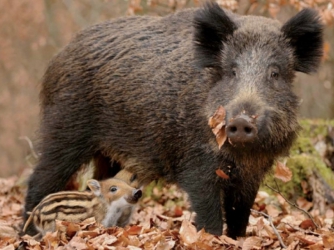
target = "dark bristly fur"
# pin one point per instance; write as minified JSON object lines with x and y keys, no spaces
{"x":305,"y":34}
{"x":140,"y":92}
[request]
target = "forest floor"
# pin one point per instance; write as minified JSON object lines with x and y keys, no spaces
{"x":163,"y":221}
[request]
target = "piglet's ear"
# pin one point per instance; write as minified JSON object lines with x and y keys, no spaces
{"x":212,"y":27}
{"x":305,"y":33}
{"x":94,"y":186}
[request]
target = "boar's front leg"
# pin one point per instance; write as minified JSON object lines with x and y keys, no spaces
{"x":238,"y":200}
{"x":204,"y":194}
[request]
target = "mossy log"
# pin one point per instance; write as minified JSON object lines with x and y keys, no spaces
{"x":311,"y":164}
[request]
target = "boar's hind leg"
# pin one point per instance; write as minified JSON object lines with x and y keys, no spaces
{"x":61,"y":156}
{"x":237,"y":204}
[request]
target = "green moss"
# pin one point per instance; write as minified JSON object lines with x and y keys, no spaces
{"x":314,"y":128}
{"x":303,"y":145}
{"x":304,"y":160}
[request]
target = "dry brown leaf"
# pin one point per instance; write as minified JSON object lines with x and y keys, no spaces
{"x":7,"y":230}
{"x":133,"y":248}
{"x":51,"y":240}
{"x":77,"y":243}
{"x":217,"y":120}
{"x":188,"y":233}
{"x":328,"y":240}
{"x":217,"y":124}
{"x":252,"y":243}
{"x":178,"y":211}
{"x":293,"y":245}
{"x":260,"y":224}
{"x":305,"y":240}
{"x":72,"y":229}
{"x":307,"y":224}
{"x":227,"y":240}
{"x":304,"y":204}
{"x":221,"y":174}
{"x":165,"y":245}
{"x":317,"y":246}
{"x":282,"y":172}
{"x":134,"y":230}
{"x":9,"y":247}
{"x":272,"y":211}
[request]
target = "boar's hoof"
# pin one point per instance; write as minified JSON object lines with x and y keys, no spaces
{"x":241,"y":130}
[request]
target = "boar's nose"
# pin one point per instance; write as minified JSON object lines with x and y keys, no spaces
{"x":137,"y":194}
{"x":241,"y":129}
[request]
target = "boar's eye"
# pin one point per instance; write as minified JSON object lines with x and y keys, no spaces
{"x":234,"y":72}
{"x":274,"y":75}
{"x":113,"y":189}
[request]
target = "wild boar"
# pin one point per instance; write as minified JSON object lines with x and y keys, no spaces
{"x":141,"y":90}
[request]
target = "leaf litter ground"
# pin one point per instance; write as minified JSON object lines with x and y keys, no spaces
{"x":163,"y":221}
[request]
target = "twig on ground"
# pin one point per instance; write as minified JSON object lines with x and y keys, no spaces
{"x":272,"y":225}
{"x":31,"y":146}
{"x":292,"y":203}
{"x":302,"y":230}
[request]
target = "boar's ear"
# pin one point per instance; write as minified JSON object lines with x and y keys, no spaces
{"x":212,"y":27}
{"x":94,"y":186}
{"x":305,"y":34}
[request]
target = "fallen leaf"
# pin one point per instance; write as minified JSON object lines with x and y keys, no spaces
{"x":328,"y":240}
{"x":178,"y":211}
{"x":221,"y":174}
{"x":9,"y":247}
{"x":317,"y":246}
{"x":7,"y":230}
{"x":221,"y":137}
{"x":166,"y":245}
{"x":227,"y":240}
{"x":188,"y":232}
{"x":305,"y":241}
{"x":217,"y":124}
{"x":282,"y":172}
{"x":252,"y":243}
{"x":272,"y":211}
{"x":218,"y":119}
{"x":72,"y":229}
{"x":307,"y":224}
{"x":293,"y":245}
{"x":77,"y":243}
{"x":134,"y":230}
{"x":304,"y":204}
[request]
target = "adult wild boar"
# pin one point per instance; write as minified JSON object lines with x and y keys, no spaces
{"x":141,"y":91}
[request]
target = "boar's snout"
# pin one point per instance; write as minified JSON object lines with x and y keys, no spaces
{"x":241,"y":129}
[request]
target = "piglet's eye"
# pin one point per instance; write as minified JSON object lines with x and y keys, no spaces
{"x":234,"y":72}
{"x":113,"y":189}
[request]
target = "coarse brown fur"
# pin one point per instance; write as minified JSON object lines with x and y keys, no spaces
{"x":140,"y":91}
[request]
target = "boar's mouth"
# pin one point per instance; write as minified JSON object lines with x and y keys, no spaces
{"x":241,"y":129}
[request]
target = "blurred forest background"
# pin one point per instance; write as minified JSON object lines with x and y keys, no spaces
{"x":31,"y":32}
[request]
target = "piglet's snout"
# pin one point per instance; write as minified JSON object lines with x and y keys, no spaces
{"x":241,"y":129}
{"x":136,"y":194}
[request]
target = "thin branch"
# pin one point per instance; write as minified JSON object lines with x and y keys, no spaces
{"x":31,"y":146}
{"x":292,"y":203}
{"x":272,"y":225}
{"x":302,"y":230}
